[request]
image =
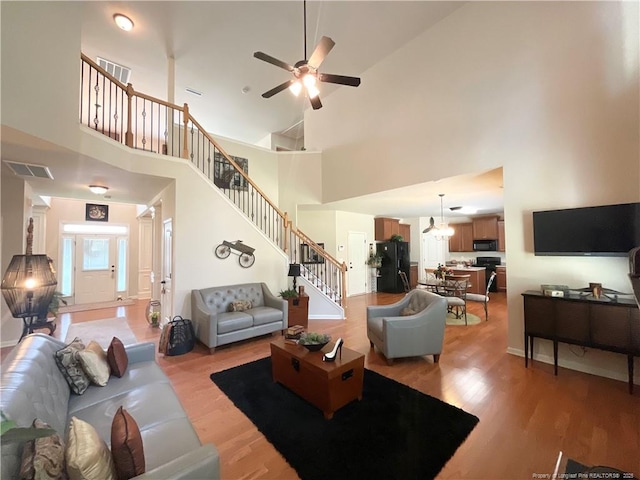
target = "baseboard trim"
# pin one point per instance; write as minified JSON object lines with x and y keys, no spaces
{"x":325,"y":317}
{"x":579,"y":367}
{"x":8,"y":343}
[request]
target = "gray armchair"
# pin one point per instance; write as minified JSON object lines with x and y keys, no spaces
{"x":408,"y":335}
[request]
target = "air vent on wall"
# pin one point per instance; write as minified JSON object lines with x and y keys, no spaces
{"x":121,"y":72}
{"x":27,"y":170}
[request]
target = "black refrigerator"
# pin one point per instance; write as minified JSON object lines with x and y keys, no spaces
{"x":395,"y":259}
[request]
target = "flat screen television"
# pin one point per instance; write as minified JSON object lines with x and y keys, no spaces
{"x":604,"y":231}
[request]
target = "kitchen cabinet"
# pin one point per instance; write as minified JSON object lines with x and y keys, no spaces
{"x":485,"y":228}
{"x":385,"y":227}
{"x":413,"y":276}
{"x":462,"y":238}
{"x":501,"y":278}
{"x":404,"y":229}
{"x":501,"y":236}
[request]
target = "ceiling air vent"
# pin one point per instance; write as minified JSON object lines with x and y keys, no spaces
{"x":27,"y":170}
{"x":121,"y":72}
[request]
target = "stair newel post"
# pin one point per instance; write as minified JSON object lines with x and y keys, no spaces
{"x":185,"y":119}
{"x":343,"y":286}
{"x":128,"y":139}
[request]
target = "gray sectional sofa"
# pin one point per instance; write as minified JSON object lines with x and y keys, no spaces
{"x":215,"y":325}
{"x":33,"y":387}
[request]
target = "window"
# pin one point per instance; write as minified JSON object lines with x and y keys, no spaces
{"x":96,"y":254}
{"x":66,"y":267}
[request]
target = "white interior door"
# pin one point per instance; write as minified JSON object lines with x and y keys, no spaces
{"x":95,"y":269}
{"x":167,"y":262}
{"x":433,"y":252}
{"x":357,"y":267}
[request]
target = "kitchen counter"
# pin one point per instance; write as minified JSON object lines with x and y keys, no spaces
{"x":468,"y":269}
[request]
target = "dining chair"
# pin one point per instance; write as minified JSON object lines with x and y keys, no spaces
{"x":478,"y":297}
{"x":455,"y":291}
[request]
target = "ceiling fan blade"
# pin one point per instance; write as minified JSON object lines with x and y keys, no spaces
{"x":322,"y":49}
{"x":339,"y":79}
{"x":315,"y":102}
{"x":277,"y":89}
{"x":273,"y":61}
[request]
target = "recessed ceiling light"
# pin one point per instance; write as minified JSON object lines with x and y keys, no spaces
{"x":246,"y":89}
{"x":98,"y":189}
{"x":468,"y":210}
{"x":124,"y":22}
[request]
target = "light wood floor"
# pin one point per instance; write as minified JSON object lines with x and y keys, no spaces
{"x":526,"y":415}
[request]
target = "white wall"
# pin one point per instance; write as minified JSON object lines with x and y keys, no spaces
{"x":40,"y":53}
{"x":548,"y":90}
{"x":16,"y":210}
{"x":300,"y":181}
{"x":65,"y":210}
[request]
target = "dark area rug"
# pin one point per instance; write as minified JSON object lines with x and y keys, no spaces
{"x":394,"y":432}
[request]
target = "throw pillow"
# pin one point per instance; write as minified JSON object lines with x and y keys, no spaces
{"x":126,"y":446}
{"x":70,"y":367}
{"x":117,"y":357}
{"x":95,"y":364}
{"x":43,"y":458}
{"x":239,"y":306}
{"x":406,"y":311}
{"x":87,"y":455}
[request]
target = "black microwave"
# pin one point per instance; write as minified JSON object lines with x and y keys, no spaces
{"x":485,"y":245}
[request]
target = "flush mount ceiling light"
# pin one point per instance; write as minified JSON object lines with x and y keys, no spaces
{"x":124,"y":22}
{"x":98,"y":189}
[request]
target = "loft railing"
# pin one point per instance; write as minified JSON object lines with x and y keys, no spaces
{"x":143,"y":122}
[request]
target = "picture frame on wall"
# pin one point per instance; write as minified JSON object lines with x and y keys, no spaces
{"x":96,"y":213}
{"x":309,"y":255}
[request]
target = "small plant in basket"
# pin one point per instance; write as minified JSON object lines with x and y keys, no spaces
{"x":314,"y":341}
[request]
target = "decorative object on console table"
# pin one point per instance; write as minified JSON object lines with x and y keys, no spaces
{"x":605,"y":324}
{"x":96,"y":213}
{"x":28,"y":287}
{"x":298,"y":306}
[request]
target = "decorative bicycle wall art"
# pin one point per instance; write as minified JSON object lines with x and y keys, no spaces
{"x":245,"y":252}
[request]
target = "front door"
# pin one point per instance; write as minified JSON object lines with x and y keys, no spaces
{"x":95,"y":269}
{"x":357,"y":272}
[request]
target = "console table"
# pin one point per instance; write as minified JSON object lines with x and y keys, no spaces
{"x":611,"y":324}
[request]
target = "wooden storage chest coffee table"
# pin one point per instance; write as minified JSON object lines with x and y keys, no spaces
{"x":326,"y":385}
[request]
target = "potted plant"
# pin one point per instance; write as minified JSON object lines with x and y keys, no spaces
{"x":396,"y":238}
{"x":155,"y":319}
{"x":288,"y":293}
{"x":54,"y":305}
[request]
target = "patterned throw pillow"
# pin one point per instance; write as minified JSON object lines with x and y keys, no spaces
{"x":69,"y":364}
{"x":94,"y":363}
{"x":43,"y":458}
{"x":239,"y":306}
{"x":405,"y":312}
{"x":87,"y":455}
{"x":117,"y":357}
{"x":126,"y":446}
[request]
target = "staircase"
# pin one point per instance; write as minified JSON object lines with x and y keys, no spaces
{"x":146,"y":123}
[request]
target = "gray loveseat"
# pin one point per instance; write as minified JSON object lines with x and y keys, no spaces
{"x":33,"y":387}
{"x":419,"y":331}
{"x":215,"y":325}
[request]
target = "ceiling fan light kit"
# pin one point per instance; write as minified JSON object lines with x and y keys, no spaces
{"x":305,"y":71}
{"x":442,"y":231}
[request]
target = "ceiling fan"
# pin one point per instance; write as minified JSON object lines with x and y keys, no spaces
{"x":305,"y":72}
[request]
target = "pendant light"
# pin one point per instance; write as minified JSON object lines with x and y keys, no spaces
{"x":442,"y":231}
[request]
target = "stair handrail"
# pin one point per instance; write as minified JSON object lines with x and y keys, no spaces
{"x":130,"y":92}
